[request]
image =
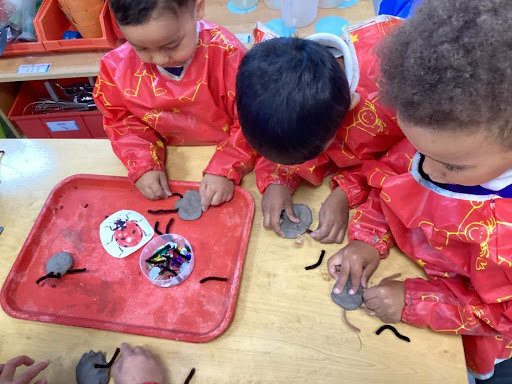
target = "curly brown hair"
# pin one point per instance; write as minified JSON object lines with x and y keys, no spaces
{"x":450,"y":67}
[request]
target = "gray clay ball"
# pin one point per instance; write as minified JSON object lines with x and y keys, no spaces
{"x":290,"y":229}
{"x":349,"y":302}
{"x":189,"y":208}
{"x":59,"y":263}
{"x":86,"y":373}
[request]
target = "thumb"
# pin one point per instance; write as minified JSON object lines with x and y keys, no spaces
{"x":288,"y":208}
{"x":165,"y":184}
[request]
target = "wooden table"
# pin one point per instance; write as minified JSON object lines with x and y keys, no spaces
{"x":285,"y":329}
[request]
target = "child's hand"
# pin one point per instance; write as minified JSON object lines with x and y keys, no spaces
{"x":137,"y":365}
{"x":357,"y":259}
{"x":386,"y":300}
{"x":275,"y":198}
{"x":8,"y":370}
{"x":154,"y":185}
{"x":333,"y":218}
{"x":215,"y":190}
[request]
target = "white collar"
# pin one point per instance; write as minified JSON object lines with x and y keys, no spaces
{"x":340,"y":47}
{"x":502,"y":181}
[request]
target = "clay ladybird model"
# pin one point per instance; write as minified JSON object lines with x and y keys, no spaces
{"x":347,"y":301}
{"x":58,"y":265}
{"x":189,"y":207}
{"x":291,"y":229}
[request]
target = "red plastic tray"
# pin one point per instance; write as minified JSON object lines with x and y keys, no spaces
{"x":113,"y":294}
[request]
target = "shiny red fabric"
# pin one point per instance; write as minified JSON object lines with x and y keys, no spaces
{"x":464,"y":243}
{"x":368,"y":131}
{"x":144,"y":110}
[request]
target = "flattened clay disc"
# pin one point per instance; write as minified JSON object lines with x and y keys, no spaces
{"x":290,"y":229}
{"x":59,"y":263}
{"x":189,"y":208}
{"x":349,"y":302}
{"x":87,"y":374}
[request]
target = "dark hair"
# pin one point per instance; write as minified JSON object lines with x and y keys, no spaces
{"x":136,"y":12}
{"x":292,"y":96}
{"x":449,"y":67}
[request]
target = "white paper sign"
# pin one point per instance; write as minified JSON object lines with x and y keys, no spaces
{"x":61,"y":126}
{"x":244,"y":37}
{"x":124,"y":232}
{"x":33,"y":68}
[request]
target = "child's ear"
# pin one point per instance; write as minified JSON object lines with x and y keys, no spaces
{"x":199,"y":9}
{"x":354,"y":100}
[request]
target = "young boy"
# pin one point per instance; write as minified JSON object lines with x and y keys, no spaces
{"x":293,"y":100}
{"x":172,"y":83}
{"x":444,"y":194}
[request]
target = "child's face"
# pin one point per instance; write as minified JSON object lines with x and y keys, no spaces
{"x":459,"y":157}
{"x":166,"y":39}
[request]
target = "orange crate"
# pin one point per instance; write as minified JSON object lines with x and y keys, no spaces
{"x":25,"y":49}
{"x":53,"y":23}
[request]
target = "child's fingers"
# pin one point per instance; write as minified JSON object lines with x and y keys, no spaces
{"x":333,"y":262}
{"x":288,"y":208}
{"x":126,"y":349}
{"x":217,"y":198}
{"x":32,"y":372}
{"x":371,"y":293}
{"x":367,"y":272}
{"x":342,"y":277}
{"x":275,"y":225}
{"x":165,"y":184}
{"x":207,"y":201}
{"x":355,"y":278}
{"x":157,"y":190}
{"x":373,"y":304}
{"x":10,"y":367}
{"x":138,"y":350}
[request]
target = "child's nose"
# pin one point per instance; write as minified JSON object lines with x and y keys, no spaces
{"x":434,"y":170}
{"x":161,"y":60}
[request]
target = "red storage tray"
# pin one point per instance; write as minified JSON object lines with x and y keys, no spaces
{"x":53,"y":23}
{"x":25,"y":49}
{"x":113,"y":294}
{"x":87,"y":124}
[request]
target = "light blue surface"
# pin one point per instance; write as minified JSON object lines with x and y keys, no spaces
{"x":277,"y":25}
{"x":348,"y":3}
{"x":331,"y":24}
{"x":238,"y":11}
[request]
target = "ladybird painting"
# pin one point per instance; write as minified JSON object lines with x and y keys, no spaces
{"x":124,"y":232}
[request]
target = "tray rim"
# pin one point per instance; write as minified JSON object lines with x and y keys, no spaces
{"x":96,"y":324}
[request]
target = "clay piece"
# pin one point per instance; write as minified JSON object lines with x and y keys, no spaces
{"x":189,"y":207}
{"x":349,"y":302}
{"x":60,"y":263}
{"x":291,"y":229}
{"x":87,"y":373}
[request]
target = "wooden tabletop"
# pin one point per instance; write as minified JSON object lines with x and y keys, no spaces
{"x":285,"y":329}
{"x":83,"y":64}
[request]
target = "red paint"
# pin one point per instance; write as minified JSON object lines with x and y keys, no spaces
{"x":113,"y":295}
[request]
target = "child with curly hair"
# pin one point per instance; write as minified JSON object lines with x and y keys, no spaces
{"x":444,"y":194}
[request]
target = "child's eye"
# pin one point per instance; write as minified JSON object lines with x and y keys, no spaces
{"x":453,"y":168}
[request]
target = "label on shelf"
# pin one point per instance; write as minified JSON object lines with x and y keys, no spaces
{"x":33,"y":68}
{"x":61,"y":126}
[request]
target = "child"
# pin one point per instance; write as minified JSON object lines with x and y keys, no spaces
{"x":172,"y":83}
{"x":444,"y":194}
{"x":293,"y":101}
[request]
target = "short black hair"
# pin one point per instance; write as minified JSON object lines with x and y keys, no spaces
{"x":137,"y":12}
{"x":449,"y":67}
{"x":292,"y":96}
